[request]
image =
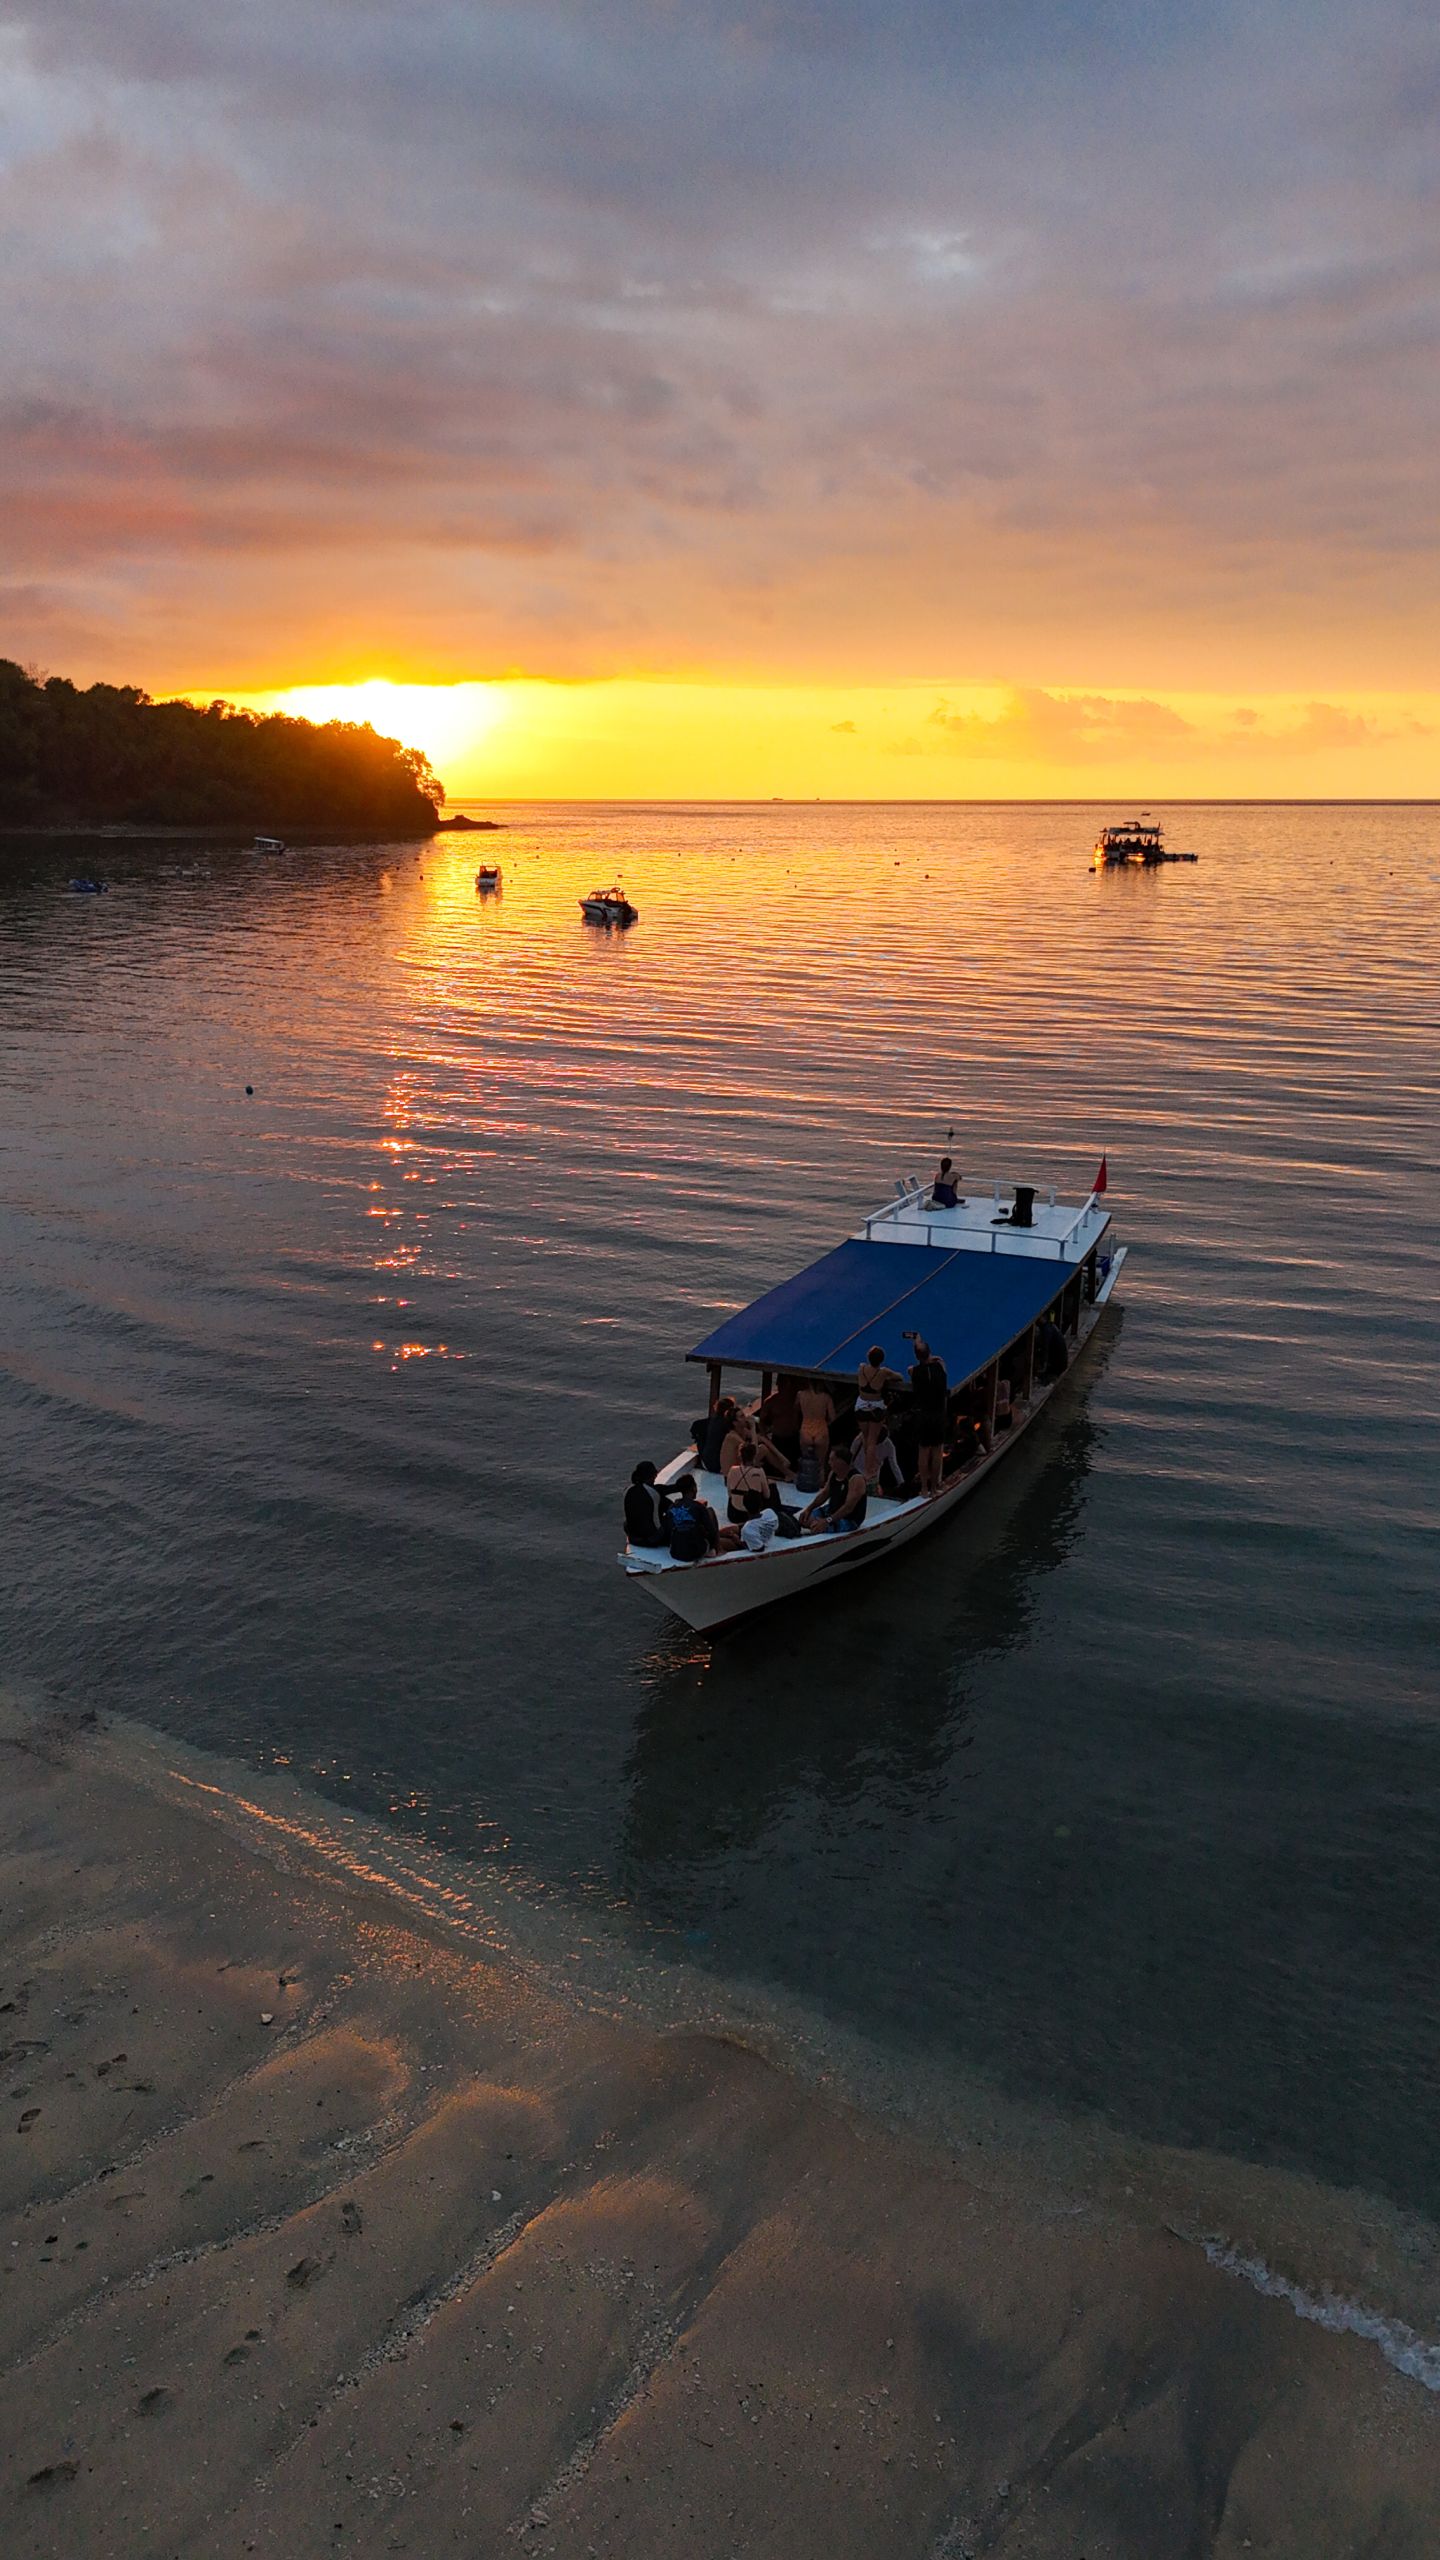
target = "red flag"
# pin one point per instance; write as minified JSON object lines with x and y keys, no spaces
{"x":1102,"y":1180}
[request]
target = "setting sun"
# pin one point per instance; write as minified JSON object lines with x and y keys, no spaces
{"x":445,"y":722}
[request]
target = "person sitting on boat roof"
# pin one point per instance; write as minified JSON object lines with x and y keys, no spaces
{"x":647,"y":1510}
{"x":945,"y":1190}
{"x":929,"y":1392}
{"x":694,"y":1529}
{"x":840,"y":1503}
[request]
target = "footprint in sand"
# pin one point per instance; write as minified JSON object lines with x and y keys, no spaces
{"x":150,"y":2403}
{"x":55,"y":2475}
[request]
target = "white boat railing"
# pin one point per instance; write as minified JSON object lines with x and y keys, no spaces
{"x":912,"y":1197}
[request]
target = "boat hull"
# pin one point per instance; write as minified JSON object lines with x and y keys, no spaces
{"x":725,"y":1589}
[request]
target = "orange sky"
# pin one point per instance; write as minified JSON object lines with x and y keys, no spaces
{"x":649,"y":739}
{"x":894,"y":398}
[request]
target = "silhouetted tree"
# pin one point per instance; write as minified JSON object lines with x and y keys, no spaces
{"x":110,"y":754}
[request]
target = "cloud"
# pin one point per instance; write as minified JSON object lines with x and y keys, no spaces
{"x":1324,"y":725}
{"x":1033,"y":727}
{"x":593,"y":333}
{"x":1062,"y":728}
{"x":843,"y":728}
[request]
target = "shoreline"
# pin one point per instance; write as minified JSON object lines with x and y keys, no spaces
{"x":348,"y":2210}
{"x":226,"y":833}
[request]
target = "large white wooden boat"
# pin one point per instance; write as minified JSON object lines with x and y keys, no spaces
{"x":976,"y":1281}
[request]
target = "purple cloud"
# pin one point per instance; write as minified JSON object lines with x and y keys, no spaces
{"x":843,"y":340}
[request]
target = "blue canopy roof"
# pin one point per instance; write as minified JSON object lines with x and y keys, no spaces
{"x":966,"y":1305}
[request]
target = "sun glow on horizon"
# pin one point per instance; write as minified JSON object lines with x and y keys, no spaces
{"x":447,"y":722}
{"x":696,"y":738}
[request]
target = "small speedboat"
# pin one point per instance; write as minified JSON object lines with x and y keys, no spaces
{"x":271,"y":844}
{"x":488,"y":876}
{"x":89,"y":888}
{"x":608,"y":906}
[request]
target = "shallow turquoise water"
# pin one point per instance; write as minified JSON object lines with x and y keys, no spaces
{"x":316,"y":1405}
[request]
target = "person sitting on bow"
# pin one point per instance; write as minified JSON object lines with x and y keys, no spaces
{"x":840,"y":1503}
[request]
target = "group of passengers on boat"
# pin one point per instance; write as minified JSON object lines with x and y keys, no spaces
{"x":894,"y":1435}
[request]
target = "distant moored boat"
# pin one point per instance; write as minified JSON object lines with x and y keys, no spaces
{"x":1134,"y":840}
{"x":608,"y":906}
{"x":271,"y":844}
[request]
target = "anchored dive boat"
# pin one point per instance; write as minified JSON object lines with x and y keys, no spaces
{"x":608,"y":906}
{"x":977,"y":1281}
{"x":1134,"y":840}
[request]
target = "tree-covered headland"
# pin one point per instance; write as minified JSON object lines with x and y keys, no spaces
{"x":107,"y":754}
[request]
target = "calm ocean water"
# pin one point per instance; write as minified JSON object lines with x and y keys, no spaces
{"x":317,"y":1404}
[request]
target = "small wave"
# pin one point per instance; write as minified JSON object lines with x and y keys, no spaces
{"x":1401,"y":2346}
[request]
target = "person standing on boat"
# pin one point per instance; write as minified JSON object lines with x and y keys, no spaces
{"x":930,"y":1391}
{"x":872,"y":1384}
{"x":944,"y":1191}
{"x":1052,"y":1355}
{"x":840,"y":1503}
{"x":880,"y":1462}
{"x":816,"y":1408}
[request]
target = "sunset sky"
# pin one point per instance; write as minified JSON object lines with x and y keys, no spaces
{"x":725,"y":396}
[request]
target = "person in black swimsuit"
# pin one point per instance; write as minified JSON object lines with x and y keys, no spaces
{"x":944,"y":1191}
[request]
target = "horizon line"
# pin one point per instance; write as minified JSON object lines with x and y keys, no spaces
{"x":789,"y":800}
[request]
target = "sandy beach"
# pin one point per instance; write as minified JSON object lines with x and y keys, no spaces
{"x":323,"y":2231}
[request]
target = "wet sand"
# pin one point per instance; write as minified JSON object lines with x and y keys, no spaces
{"x":327,"y":2230}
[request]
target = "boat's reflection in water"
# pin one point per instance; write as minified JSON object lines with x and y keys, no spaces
{"x":862,"y":1703}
